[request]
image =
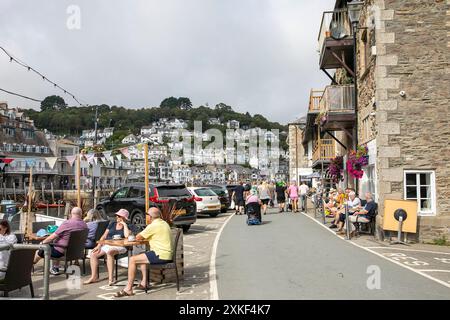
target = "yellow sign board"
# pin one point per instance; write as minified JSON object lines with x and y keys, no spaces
{"x":389,"y":221}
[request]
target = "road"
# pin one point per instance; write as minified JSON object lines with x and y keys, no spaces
{"x":291,"y":256}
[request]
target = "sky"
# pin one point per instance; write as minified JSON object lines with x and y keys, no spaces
{"x":258,"y":56}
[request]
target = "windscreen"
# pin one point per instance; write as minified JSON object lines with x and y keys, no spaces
{"x":204,"y":192}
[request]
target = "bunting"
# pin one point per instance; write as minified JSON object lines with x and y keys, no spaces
{"x":126,"y":152}
{"x":6,"y":160}
{"x":90,"y":157}
{"x":71,"y":159}
{"x":2,"y":165}
{"x":107,"y":155}
{"x":119,"y":159}
{"x":51,"y":161}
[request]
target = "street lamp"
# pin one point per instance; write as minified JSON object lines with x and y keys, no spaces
{"x":354,"y":14}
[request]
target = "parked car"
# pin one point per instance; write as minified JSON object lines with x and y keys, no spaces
{"x":207,"y":201}
{"x":132,"y":198}
{"x":224,"y":197}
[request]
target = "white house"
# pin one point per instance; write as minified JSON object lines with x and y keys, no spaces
{"x":130,"y":139}
{"x":233,"y":124}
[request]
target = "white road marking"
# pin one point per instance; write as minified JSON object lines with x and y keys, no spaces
{"x":435,"y":270}
{"x":212,"y":266}
{"x":382,"y":256}
{"x":393,"y":248}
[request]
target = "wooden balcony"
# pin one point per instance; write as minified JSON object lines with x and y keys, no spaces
{"x":314,"y":100}
{"x":324,"y":150}
{"x":335,"y":40}
{"x":338,"y":104}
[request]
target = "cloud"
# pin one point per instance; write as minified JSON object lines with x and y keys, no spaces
{"x":256,"y":55}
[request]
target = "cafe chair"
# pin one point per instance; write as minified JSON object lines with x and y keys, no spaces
{"x":169,"y":265}
{"x":101,"y":228}
{"x":18,"y":272}
{"x":75,"y":249}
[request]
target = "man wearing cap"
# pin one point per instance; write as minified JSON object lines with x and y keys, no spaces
{"x":116,"y":230}
{"x":60,"y":238}
{"x":159,"y":238}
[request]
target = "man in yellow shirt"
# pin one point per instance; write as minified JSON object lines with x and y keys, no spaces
{"x":159,"y":238}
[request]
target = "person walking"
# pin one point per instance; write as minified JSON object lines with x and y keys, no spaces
{"x":264,"y":195}
{"x":292,"y":192}
{"x":280,"y":191}
{"x":303,"y":195}
{"x":238,"y":197}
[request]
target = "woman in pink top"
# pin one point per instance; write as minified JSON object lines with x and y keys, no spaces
{"x":292,"y":192}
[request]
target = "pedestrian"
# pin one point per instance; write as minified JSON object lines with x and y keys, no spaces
{"x":272,"y":194}
{"x":292,"y":192}
{"x":280,"y":190}
{"x":303,"y":195}
{"x":238,"y":197}
{"x":264,"y":195}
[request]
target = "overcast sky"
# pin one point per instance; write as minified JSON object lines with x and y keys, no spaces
{"x":258,"y":56}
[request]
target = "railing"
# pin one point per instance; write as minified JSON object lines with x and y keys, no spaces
{"x":314,"y":100}
{"x":26,"y":170}
{"x":338,"y":98}
{"x":336,"y":25}
{"x":324,"y":149}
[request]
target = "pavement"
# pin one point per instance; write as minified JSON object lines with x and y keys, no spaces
{"x":289,"y":256}
{"x":198,"y":243}
{"x":292,"y":256}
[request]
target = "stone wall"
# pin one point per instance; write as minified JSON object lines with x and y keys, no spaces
{"x":297,"y":158}
{"x":413,"y":131}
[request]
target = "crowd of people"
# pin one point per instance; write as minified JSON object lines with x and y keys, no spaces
{"x":157,"y":233}
{"x":292,"y":197}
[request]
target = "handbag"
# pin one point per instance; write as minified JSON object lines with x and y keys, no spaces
{"x":232,"y":205}
{"x":51,"y":229}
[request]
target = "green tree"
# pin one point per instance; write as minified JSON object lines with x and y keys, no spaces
{"x":53,"y":103}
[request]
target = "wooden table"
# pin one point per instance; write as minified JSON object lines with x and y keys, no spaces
{"x":123,"y":243}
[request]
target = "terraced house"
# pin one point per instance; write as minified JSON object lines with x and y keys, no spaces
{"x":399,"y":107}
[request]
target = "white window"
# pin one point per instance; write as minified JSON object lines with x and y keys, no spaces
{"x":421,"y":186}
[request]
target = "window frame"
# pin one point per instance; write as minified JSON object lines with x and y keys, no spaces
{"x":432,"y":173}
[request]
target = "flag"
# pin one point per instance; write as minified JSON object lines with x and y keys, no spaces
{"x":71,"y":159}
{"x":2,"y":165}
{"x":90,"y":157}
{"x":119,"y":159}
{"x":104,"y":160}
{"x":95,"y":160}
{"x":30,"y":162}
{"x":126,"y":153}
{"x":107,"y":155}
{"x":6,"y":160}
{"x":51,"y":161}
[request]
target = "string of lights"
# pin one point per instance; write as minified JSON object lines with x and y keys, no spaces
{"x":20,"y":95}
{"x":29,"y":68}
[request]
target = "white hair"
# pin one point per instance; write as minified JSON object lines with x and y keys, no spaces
{"x":351,"y":194}
{"x":154,"y":212}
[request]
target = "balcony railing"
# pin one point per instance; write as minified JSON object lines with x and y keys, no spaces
{"x":338,"y":98}
{"x":335,"y":25}
{"x":324,"y":149}
{"x":314,"y":100}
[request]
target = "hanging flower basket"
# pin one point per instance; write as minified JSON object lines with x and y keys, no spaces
{"x":336,"y":169}
{"x":357,"y":160}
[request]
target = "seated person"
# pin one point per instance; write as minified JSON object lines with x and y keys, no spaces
{"x":115,"y":228}
{"x":353,"y":203}
{"x":363,"y":214}
{"x":5,"y":238}
{"x":159,"y":237}
{"x":60,"y":238}
{"x":92,"y":218}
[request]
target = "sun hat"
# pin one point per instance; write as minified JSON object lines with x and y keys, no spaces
{"x":123,"y":213}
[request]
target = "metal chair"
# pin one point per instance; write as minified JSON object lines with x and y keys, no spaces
{"x":75,"y":249}
{"x":18,"y":272}
{"x":169,"y":265}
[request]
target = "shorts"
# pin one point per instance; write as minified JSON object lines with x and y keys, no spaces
{"x":107,"y":248}
{"x":154,"y":259}
{"x":294,"y":198}
{"x":281,"y":200}
{"x":53,"y":253}
{"x":240,"y":202}
{"x":265,"y":201}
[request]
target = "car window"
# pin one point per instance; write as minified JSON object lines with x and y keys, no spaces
{"x":121,"y":193}
{"x":136,"y":193}
{"x":219,"y":191}
{"x":173,"y":191}
{"x":204,"y":192}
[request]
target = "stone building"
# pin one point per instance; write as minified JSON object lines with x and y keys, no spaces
{"x":298,"y":159}
{"x":403,"y":102}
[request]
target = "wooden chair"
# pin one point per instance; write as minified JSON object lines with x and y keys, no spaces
{"x":169,"y":265}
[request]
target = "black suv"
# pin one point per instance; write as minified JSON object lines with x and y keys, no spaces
{"x":224,"y":197}
{"x":132,"y":198}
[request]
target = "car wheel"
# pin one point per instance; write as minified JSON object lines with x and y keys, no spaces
{"x":138,"y":219}
{"x":213,"y":214}
{"x":186,"y":227}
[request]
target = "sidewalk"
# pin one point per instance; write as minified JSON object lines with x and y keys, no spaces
{"x":431,"y":261}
